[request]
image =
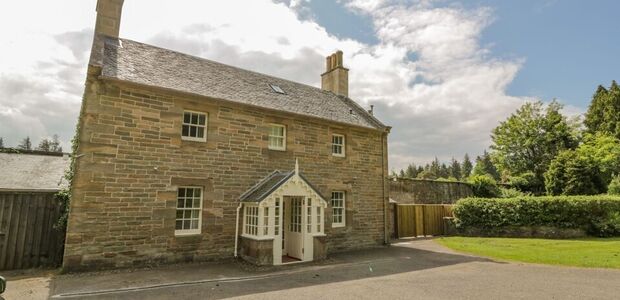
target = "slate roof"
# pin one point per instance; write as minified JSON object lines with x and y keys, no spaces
{"x":32,"y":172}
{"x":267,"y":185}
{"x":139,"y":63}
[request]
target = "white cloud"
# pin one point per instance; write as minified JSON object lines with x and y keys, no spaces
{"x":442,"y":103}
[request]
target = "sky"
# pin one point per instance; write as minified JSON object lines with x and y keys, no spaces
{"x":442,"y":73}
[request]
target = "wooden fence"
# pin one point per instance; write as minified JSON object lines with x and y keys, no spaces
{"x":27,"y":235}
{"x":414,"y":220}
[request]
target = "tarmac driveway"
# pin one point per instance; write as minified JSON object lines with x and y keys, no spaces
{"x":418,"y":269}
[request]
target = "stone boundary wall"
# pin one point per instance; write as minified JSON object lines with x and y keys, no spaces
{"x":424,"y":191}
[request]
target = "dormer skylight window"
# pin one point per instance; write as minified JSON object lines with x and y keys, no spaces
{"x":277,"y":89}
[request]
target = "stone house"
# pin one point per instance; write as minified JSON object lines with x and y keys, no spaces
{"x":185,"y":159}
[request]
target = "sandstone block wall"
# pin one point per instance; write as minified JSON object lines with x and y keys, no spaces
{"x":132,"y":159}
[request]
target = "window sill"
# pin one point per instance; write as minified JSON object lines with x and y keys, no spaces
{"x":339,"y":155}
{"x":277,"y":149}
{"x":187,"y":234}
{"x":189,"y":139}
{"x":257,"y":238}
{"x":339,"y":225}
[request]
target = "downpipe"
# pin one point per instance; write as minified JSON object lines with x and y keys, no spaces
{"x":237,"y":229}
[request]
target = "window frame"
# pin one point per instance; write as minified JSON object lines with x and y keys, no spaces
{"x":190,"y":138}
{"x":272,"y":147}
{"x":343,"y":208}
{"x":342,"y":146}
{"x":185,"y":232}
{"x":251,"y":226}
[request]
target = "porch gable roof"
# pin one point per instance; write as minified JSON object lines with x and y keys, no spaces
{"x":271,"y":183}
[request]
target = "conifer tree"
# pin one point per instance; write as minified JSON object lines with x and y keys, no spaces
{"x":466,"y":167}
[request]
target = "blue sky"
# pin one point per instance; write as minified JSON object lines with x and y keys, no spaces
{"x":442,"y":73}
{"x":569,"y":47}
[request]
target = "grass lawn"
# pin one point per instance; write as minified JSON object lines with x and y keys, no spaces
{"x":591,"y":252}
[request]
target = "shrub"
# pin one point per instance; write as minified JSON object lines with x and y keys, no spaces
{"x":526,"y":182}
{"x":512,"y":193}
{"x":598,"y":215}
{"x":614,"y":186}
{"x":484,"y":186}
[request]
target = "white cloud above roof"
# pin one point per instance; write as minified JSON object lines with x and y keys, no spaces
{"x":429,"y":76}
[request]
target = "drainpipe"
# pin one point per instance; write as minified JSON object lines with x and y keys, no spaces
{"x":386,"y":226}
{"x":237,"y":228}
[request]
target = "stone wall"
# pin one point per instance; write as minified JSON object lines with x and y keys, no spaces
{"x":422,"y":191}
{"x":131,"y":159}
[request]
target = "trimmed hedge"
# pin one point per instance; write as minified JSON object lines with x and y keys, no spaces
{"x":598,"y":215}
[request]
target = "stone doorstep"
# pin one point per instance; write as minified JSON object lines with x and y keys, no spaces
{"x":122,"y":281}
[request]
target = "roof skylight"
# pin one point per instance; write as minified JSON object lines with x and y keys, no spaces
{"x":277,"y":89}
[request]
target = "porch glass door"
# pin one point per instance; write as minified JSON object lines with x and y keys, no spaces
{"x":294,"y":234}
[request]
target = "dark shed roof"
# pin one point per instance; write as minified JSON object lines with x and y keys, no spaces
{"x":139,"y":63}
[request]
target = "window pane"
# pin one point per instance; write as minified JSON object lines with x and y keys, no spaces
{"x":186,"y":224}
{"x":188,"y":203}
{"x":194,"y":119}
{"x":186,"y":117}
{"x":187,"y":214}
{"x":201,"y":119}
{"x":195,"y":214}
{"x":179,"y":225}
{"x":196,"y":203}
{"x":181,"y":192}
{"x":193,"y":131}
{"x":201,"y":132}
{"x":197,"y":192}
{"x":180,"y":203}
{"x":194,"y":224}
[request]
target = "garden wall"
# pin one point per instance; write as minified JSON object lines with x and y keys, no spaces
{"x":424,"y":191}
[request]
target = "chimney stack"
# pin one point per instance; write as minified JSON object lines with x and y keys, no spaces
{"x":109,"y":17}
{"x":108,"y":23}
{"x":336,"y":76}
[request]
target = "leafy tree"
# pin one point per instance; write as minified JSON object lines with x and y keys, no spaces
{"x":604,"y":150}
{"x":484,"y":186}
{"x":614,"y":186}
{"x":401,"y":174}
{"x":426,"y":174}
{"x":526,"y":182}
{"x":1,"y":143}
{"x":25,"y":144}
{"x":484,"y":165}
{"x":603,"y":115}
{"x":455,"y":169}
{"x":466,"y":166}
{"x":531,"y":138}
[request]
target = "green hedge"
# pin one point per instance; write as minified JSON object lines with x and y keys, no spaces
{"x":599,"y":215}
